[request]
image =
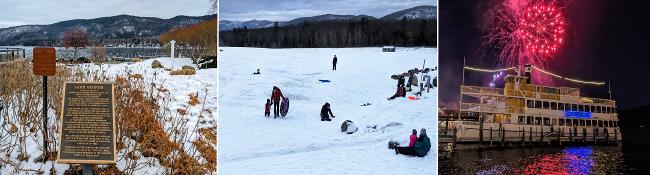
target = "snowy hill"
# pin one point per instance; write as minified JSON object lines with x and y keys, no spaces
{"x":112,"y":27}
{"x":420,"y":12}
{"x":326,"y":17}
{"x":229,"y":25}
{"x":250,"y":143}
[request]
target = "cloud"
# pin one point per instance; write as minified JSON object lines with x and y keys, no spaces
{"x":48,"y":12}
{"x":281,"y":10}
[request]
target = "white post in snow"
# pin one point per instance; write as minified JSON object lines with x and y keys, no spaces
{"x":173,"y":42}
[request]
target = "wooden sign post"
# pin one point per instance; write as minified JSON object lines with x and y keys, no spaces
{"x":87,"y":132}
{"x":44,"y":63}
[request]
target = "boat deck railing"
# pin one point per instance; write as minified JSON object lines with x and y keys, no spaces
{"x":558,"y":94}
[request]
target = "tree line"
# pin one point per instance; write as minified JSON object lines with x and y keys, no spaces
{"x":331,"y":34}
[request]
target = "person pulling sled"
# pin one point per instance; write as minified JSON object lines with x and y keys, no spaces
{"x":276,"y":94}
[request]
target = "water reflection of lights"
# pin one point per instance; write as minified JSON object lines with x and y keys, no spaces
{"x":580,"y":161}
{"x":573,"y":160}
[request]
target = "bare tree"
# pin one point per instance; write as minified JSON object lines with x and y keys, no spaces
{"x":98,"y":54}
{"x":76,"y":39}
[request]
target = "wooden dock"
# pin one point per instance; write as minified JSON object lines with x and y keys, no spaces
{"x":531,"y":137}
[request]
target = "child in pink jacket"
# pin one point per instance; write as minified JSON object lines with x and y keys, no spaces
{"x":413,"y":138}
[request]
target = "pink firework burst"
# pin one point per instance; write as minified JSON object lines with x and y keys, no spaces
{"x":526,"y":32}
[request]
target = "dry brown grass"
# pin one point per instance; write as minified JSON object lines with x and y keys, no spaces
{"x":145,"y":125}
{"x":194,"y":99}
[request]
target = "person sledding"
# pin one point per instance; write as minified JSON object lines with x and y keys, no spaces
{"x":419,"y":149}
{"x":267,"y":108}
{"x":400,"y":92}
{"x":325,"y":113}
{"x":276,"y":94}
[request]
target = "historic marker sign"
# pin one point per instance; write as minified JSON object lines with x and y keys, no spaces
{"x":87,"y":132}
{"x":44,"y":61}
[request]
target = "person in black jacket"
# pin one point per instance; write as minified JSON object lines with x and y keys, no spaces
{"x":421,"y":147}
{"x":325,"y":112}
{"x":334,"y":62}
{"x":400,"y":80}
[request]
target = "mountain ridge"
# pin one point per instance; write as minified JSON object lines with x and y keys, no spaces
{"x":112,"y":27}
{"x":418,"y":12}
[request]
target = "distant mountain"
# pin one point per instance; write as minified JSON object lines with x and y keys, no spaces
{"x":419,"y":12}
{"x":228,"y":25}
{"x":326,"y":17}
{"x":114,"y":27}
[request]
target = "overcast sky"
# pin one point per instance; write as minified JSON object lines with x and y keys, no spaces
{"x":14,"y":13}
{"x":282,"y":10}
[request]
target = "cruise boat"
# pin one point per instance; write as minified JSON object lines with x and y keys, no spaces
{"x":522,"y":112}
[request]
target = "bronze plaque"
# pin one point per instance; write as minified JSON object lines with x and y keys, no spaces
{"x":44,"y":61}
{"x":87,"y":130}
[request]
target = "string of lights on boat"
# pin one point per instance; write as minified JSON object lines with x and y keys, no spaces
{"x":598,"y":83}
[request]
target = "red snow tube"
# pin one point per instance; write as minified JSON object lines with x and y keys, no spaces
{"x":413,"y":98}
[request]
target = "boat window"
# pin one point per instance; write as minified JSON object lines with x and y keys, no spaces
{"x":574,"y":107}
{"x":587,"y":108}
{"x":582,"y":122}
{"x":568,"y":122}
{"x":581,"y":108}
{"x":521,"y":120}
{"x":538,"y":120}
{"x":575,"y":122}
{"x":613,"y":110}
{"x":560,"y":106}
{"x":600,"y":123}
{"x":609,"y":110}
{"x":615,"y":123}
{"x":530,"y":103}
{"x":598,"y":109}
{"x":561,"y":122}
{"x":588,"y":122}
{"x":554,"y":121}
{"x":547,"y":121}
{"x":529,"y":120}
{"x":553,"y":106}
{"x":593,"y":109}
{"x":538,"y":104}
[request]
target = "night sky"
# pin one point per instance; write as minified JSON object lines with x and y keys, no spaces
{"x":606,"y":40}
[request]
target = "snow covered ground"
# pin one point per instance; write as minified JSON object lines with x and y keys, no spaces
{"x":179,"y":87}
{"x":250,"y":143}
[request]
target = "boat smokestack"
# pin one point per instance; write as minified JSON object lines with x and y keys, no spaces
{"x":527,"y":70}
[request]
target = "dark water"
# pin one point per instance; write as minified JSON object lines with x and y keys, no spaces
{"x":615,"y":159}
